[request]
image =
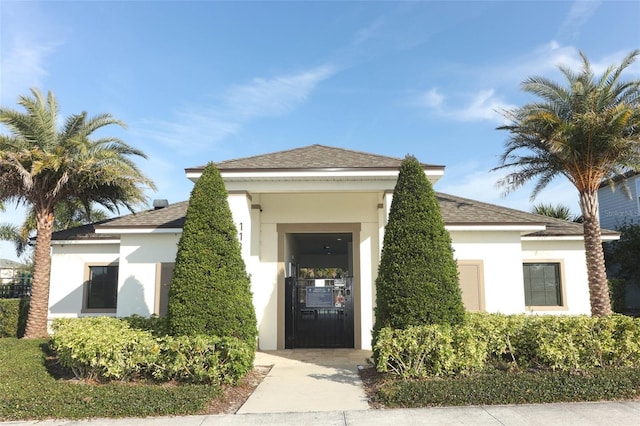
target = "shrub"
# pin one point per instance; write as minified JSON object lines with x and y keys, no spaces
{"x":617,"y":294}
{"x":158,"y":326}
{"x":512,"y":388}
{"x":210,"y":291}
{"x":203,"y":359}
{"x":32,"y":390}
{"x":13,"y":317}
{"x":417,"y":279}
{"x":511,"y":342}
{"x":105,"y":348}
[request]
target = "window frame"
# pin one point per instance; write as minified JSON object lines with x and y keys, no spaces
{"x":85,"y":288}
{"x":562,"y":283}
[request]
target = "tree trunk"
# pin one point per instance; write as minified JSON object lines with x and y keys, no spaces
{"x":596,"y":272}
{"x":39,"y":305}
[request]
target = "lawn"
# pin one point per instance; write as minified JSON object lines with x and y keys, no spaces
{"x":32,"y":387}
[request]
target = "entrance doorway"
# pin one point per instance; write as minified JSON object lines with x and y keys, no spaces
{"x":319,"y":308}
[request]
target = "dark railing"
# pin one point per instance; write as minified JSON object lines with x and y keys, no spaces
{"x":15,"y":291}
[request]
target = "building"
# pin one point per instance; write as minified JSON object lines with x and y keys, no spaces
{"x":305,"y":211}
{"x":620,"y":204}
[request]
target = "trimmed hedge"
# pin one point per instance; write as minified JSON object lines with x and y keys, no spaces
{"x":13,"y":317}
{"x":512,"y":388}
{"x":32,"y":389}
{"x":105,"y":348}
{"x":210,"y":290}
{"x":512,"y":342}
{"x":417,"y":279}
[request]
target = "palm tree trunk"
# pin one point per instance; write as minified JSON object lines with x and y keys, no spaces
{"x":39,"y":305}
{"x":596,"y":272}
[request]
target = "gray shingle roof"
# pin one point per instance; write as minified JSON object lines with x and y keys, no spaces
{"x":455,"y":211}
{"x":312,"y":157}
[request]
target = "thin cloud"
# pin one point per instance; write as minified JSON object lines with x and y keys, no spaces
{"x":469,"y":181}
{"x":483,"y":105}
{"x":579,"y":15}
{"x":203,"y":127}
{"x":431,"y":98}
{"x":276,"y":96}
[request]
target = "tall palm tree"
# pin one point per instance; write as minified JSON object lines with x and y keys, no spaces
{"x":41,"y":165}
{"x":559,"y":211}
{"x":587,"y":131}
{"x":68,"y":214}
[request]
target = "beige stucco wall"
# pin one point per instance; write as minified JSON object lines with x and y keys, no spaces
{"x":501,"y":254}
{"x":318,"y":208}
{"x":67,"y":275}
{"x":139,"y":256}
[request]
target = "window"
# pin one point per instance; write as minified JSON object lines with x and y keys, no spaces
{"x":542,"y":286}
{"x":101,"y":289}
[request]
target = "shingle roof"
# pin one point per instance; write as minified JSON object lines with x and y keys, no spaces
{"x":463,"y":211}
{"x":312,"y":157}
{"x":455,"y":211}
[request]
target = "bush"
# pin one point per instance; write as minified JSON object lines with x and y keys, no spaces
{"x":210,"y":291}
{"x":617,"y":294}
{"x":105,"y":348}
{"x":13,"y":317}
{"x":203,"y":359}
{"x":512,"y":388}
{"x":30,"y":390}
{"x":514,"y":342}
{"x":158,"y":326}
{"x":417,"y":279}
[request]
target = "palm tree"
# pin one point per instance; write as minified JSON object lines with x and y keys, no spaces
{"x":68,"y":214}
{"x":41,"y":166}
{"x":587,"y":131}
{"x":559,"y":211}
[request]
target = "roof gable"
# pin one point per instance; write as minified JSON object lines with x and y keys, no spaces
{"x":313,"y":157}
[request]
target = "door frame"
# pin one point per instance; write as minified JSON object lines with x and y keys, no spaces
{"x":320,"y":228}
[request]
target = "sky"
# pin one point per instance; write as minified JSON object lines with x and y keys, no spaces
{"x":200,"y":81}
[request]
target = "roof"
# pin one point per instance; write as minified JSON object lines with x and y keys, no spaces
{"x":313,"y":157}
{"x":455,"y":211}
{"x":10,"y":264}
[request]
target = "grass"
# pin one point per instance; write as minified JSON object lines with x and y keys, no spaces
{"x":33,"y":388}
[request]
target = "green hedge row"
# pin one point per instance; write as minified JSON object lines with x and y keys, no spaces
{"x":564,"y":343}
{"x":105,"y":348}
{"x":501,"y":387}
{"x":30,"y":388}
{"x":13,"y":317}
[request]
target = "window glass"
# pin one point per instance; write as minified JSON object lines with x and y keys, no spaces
{"x":542,"y":284}
{"x":102,"y":287}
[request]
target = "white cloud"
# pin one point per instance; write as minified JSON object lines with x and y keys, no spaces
{"x":26,"y":44}
{"x":276,"y":96}
{"x":204,"y":126}
{"x":578,"y":16}
{"x":483,"y":105}
{"x":431,"y":98}
{"x":469,"y":181}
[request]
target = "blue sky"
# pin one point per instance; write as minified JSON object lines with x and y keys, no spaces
{"x":209,"y":81}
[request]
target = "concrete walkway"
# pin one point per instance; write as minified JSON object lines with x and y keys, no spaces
{"x":309,"y":380}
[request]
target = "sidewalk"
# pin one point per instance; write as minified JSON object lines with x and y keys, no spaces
{"x":322,"y":387}
{"x":574,"y":414}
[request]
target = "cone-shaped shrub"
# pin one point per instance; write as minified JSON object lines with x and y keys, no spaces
{"x":418,"y":277}
{"x":210,"y":291}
